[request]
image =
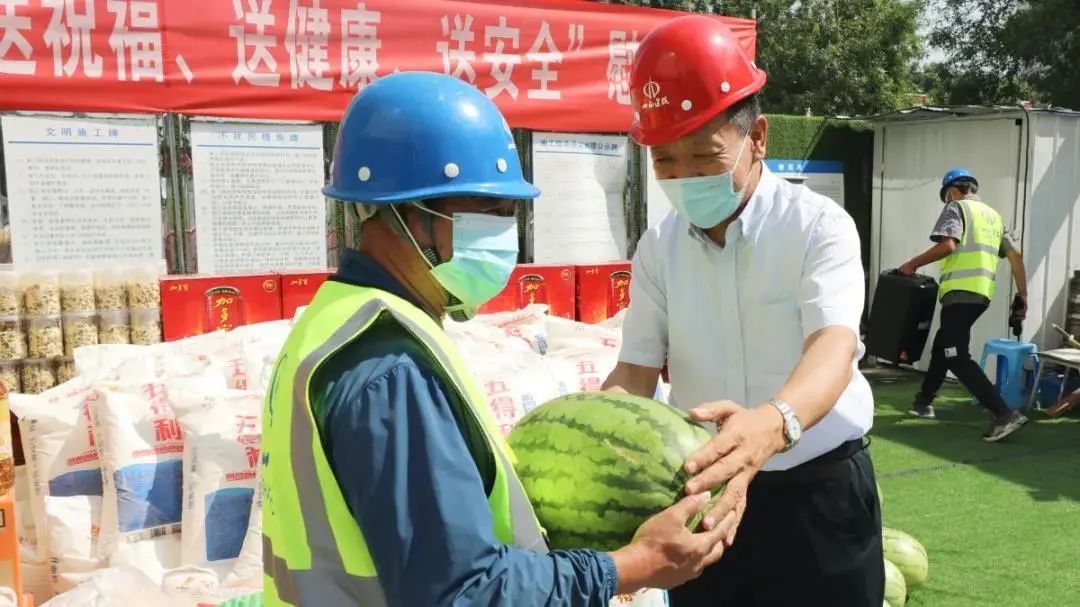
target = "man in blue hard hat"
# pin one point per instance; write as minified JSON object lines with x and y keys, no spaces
{"x":385,"y":479}
{"x":970,"y":237}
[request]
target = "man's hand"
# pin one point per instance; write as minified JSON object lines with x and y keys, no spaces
{"x":665,"y":553}
{"x":908,"y":268}
{"x":1020,"y":306}
{"x":745,"y":440}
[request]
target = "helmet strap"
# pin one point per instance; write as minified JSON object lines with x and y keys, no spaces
{"x":431,"y":256}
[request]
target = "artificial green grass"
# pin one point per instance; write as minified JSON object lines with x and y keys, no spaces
{"x":1000,"y":522}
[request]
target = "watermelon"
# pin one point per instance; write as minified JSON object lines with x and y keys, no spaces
{"x":907,"y":554}
{"x":895,"y":587}
{"x":597,"y":465}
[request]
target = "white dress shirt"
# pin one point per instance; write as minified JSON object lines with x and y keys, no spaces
{"x":732,"y":321}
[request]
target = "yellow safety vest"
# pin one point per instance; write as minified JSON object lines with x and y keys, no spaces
{"x":314,"y":553}
{"x":973,"y":265}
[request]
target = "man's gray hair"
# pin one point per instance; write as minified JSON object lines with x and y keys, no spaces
{"x":744,"y":114}
{"x":356,"y":213}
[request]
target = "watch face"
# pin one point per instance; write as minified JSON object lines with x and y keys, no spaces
{"x":794,"y":431}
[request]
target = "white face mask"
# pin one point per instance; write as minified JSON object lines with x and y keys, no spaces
{"x":706,"y":201}
{"x":485,"y":253}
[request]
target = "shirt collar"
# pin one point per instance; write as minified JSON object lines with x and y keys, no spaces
{"x":753,"y":213}
{"x":358,"y":269}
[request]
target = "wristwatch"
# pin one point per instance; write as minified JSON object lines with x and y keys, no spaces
{"x":792,"y":425}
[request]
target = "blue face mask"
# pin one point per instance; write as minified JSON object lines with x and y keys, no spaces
{"x":485,"y":253}
{"x":705,"y":201}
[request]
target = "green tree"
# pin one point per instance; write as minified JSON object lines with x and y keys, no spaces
{"x":832,"y":57}
{"x":1002,"y":52}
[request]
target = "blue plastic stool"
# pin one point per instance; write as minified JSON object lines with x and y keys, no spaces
{"x":1011,"y":379}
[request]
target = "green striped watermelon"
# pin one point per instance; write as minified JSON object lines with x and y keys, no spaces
{"x":597,"y":465}
{"x":907,"y":554}
{"x":895,"y":587}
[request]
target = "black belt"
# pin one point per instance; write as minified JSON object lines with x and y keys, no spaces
{"x":830,"y":465}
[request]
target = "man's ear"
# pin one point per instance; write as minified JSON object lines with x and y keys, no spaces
{"x":759,"y":135}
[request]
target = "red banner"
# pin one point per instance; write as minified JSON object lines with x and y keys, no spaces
{"x":548,"y":64}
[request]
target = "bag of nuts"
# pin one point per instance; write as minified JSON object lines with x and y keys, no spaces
{"x":45,"y":338}
{"x":12,"y":338}
{"x":114,"y":327}
{"x":38,"y":376}
{"x":11,"y":295}
{"x":41,"y":293}
{"x":143,"y":288}
{"x":80,"y":329}
{"x":77,"y":290}
{"x":110,"y":292}
{"x":146,"y":327}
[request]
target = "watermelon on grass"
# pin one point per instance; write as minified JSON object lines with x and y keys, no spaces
{"x":895,"y":587}
{"x":907,"y":554}
{"x":597,"y":465}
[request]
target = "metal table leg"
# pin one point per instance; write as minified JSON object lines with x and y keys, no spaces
{"x":1035,"y":389}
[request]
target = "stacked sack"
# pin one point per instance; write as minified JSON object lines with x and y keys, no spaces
{"x":142,"y":471}
{"x":146,"y":464}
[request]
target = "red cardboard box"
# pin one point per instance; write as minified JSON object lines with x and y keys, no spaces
{"x":299,"y":287}
{"x":197,"y":304}
{"x":540,"y":284}
{"x":603,"y":289}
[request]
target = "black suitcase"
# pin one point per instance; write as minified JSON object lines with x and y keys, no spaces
{"x":900,"y":317}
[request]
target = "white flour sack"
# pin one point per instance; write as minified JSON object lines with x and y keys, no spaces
{"x":61,"y":452}
{"x":641,"y":598}
{"x":507,"y":329}
{"x":582,"y":355}
{"x":142,"y":460}
{"x":72,"y":550}
{"x":513,"y":382}
{"x":248,"y":569}
{"x":260,"y":345}
{"x":222,"y":430}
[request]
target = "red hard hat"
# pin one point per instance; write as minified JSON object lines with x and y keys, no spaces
{"x":685,"y":73}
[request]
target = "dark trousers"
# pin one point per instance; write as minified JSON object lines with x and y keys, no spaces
{"x":951,"y":352}
{"x":810,"y":536}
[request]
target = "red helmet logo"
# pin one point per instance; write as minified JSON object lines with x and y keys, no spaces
{"x":653,"y":100}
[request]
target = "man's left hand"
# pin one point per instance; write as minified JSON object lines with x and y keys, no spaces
{"x":745,"y":440}
{"x":908,"y":268}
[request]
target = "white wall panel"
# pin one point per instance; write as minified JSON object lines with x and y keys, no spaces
{"x":914,"y":156}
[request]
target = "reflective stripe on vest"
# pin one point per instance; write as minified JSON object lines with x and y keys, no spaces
{"x":973,"y":265}
{"x":313,"y":551}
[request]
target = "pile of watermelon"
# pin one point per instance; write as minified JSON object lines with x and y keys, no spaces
{"x":597,"y":465}
{"x":906,"y":565}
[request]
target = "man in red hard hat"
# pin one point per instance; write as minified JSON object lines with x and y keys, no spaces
{"x":752,"y":291}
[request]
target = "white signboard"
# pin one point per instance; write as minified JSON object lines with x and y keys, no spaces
{"x":826,"y":177}
{"x":82,"y":190}
{"x":258,"y":200}
{"x":657,"y":205}
{"x":579,"y":216}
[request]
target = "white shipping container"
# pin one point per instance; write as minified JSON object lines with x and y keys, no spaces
{"x":1028,"y":166}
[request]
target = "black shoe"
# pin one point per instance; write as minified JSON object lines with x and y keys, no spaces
{"x":1004,"y":426}
{"x":922,"y":407}
{"x":924,"y":411}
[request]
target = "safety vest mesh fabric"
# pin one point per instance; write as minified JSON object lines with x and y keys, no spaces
{"x":973,"y":265}
{"x":314,"y":552}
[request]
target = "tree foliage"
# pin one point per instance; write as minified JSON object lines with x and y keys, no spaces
{"x":1002,"y":52}
{"x":831,"y":57}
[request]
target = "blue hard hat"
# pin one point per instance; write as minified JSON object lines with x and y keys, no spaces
{"x":419,"y":135}
{"x":954,"y":175}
